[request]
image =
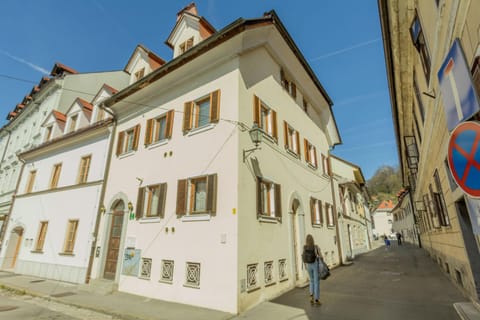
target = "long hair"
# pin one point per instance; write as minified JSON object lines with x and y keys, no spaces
{"x":309,"y":241}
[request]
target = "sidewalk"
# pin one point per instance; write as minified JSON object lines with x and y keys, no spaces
{"x":133,"y":307}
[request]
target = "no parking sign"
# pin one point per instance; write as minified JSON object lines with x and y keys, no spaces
{"x":464,"y":157}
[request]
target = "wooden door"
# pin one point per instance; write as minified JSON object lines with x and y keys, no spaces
{"x":113,"y":245}
{"x":13,"y":248}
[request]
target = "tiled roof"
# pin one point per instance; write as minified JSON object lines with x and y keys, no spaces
{"x":386,"y":204}
{"x":110,"y":88}
{"x":59,"y":116}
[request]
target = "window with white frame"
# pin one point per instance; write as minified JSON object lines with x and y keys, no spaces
{"x":292,"y":139}
{"x":151,"y":201}
{"x":57,"y":168}
{"x":48,"y":133}
{"x":201,"y":112}
{"x":139,"y":74}
{"x":197,"y":195}
{"x":325,"y":166}
{"x":73,"y":123}
{"x":186,"y":45}
{"x":329,"y":212}
{"x":128,"y":140}
{"x":265,"y":118}
{"x":83,"y":169}
{"x":418,"y":39}
{"x":160,"y":128}
{"x":316,"y":211}
{"x":310,"y":153}
{"x":268,"y":199}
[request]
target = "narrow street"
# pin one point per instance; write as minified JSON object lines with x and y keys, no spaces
{"x":401,"y":283}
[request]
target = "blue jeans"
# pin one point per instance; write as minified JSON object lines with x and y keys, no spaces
{"x":312,"y":269}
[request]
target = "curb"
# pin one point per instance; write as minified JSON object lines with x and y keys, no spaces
{"x":467,"y":311}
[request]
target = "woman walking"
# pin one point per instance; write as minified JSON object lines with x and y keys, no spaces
{"x":310,"y":257}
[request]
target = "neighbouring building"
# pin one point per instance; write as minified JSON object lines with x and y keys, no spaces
{"x":352,"y":198}
{"x":404,"y":220}
{"x":24,"y":129}
{"x":193,"y":208}
{"x":424,"y":41}
{"x":382,"y":219}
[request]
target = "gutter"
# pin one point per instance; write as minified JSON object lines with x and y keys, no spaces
{"x":384,"y":23}
{"x":102,"y":194}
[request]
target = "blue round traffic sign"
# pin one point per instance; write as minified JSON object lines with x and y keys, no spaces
{"x":464,"y":157}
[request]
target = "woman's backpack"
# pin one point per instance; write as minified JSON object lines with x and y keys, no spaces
{"x":309,"y":255}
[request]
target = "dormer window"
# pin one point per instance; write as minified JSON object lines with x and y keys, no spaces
{"x":73,"y":123}
{"x":139,"y":74}
{"x":184,"y":46}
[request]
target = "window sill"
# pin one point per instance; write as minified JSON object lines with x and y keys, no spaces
{"x":166,"y":281}
{"x":70,"y":254}
{"x":331,"y":226}
{"x":191,"y":286}
{"x":292,"y":153}
{"x":204,"y":128}
{"x":196,"y":217}
{"x":317,"y":225}
{"x":312,"y":166}
{"x":37,"y":251}
{"x":268,"y":219}
{"x":268,"y":137}
{"x":149,"y":220}
{"x":157,"y":144}
{"x":126,"y":154}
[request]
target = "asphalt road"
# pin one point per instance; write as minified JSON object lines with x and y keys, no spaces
{"x":25,"y":307}
{"x":400,"y":283}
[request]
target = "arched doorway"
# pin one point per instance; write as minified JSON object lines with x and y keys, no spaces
{"x":13,"y":248}
{"x":297,"y":223}
{"x":114,"y":238}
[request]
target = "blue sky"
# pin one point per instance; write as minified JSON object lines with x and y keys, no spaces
{"x":341,"y":39}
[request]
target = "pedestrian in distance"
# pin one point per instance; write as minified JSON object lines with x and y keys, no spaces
{"x":310,"y":256}
{"x":399,"y":238}
{"x":387,"y":242}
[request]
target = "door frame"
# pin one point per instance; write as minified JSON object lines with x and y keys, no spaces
{"x":18,"y":231}
{"x":297,"y":231}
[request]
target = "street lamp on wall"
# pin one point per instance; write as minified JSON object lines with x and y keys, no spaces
{"x":130,"y":206}
{"x":256,"y":135}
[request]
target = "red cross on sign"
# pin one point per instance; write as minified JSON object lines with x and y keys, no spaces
{"x":464,"y":157}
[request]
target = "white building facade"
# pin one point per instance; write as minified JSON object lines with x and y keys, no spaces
{"x":404,"y":220}
{"x":383,"y":219}
{"x":193,"y":209}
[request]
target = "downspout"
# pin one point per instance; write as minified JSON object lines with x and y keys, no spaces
{"x":335,"y":216}
{"x":102,"y":194}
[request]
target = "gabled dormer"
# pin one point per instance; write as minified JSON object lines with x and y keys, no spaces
{"x":105,"y":92}
{"x":59,"y":70}
{"x":142,"y":62}
{"x":78,"y":115}
{"x":53,"y":125}
{"x":189,"y":30}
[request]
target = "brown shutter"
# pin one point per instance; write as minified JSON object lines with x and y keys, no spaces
{"x":215,"y":106}
{"x":298,"y":145}
{"x":182,"y":197}
{"x":148,"y":132}
{"x":285,"y":134}
{"x":212,"y":194}
{"x":169,"y":129}
{"x":278,"y":202}
{"x":274,"y":125}
{"x":136,"y":132}
{"x":256,"y":110}
{"x":120,"y":142}
{"x":259,"y":197}
{"x":282,"y":77}
{"x":305,"y":147}
{"x":320,"y":210}
{"x":139,"y":211}
{"x":187,"y":116}
{"x":312,"y":209}
{"x":161,"y":200}
{"x":315,"y":157}
{"x":294,"y":90}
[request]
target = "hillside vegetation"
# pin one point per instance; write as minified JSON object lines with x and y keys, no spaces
{"x":384,"y":184}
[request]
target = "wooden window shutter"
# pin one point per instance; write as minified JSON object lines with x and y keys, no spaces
{"x":312,"y":209}
{"x":140,"y":198}
{"x":307,"y":154}
{"x":278,"y":202}
{"x":285,"y":134}
{"x":187,"y":116}
{"x":282,"y":77}
{"x":293,"y":89}
{"x":161,"y":200}
{"x":256,"y":110}
{"x":212,"y":194}
{"x":298,"y":145}
{"x":169,"y":129}
{"x":259,"y":197}
{"x":148,"y":132}
{"x":274,"y":125}
{"x":136,"y":132}
{"x":120,"y":142}
{"x":215,"y":106}
{"x":182,"y":197}
{"x":315,"y":157}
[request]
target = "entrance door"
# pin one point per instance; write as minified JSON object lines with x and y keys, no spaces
{"x":470,"y":243}
{"x":114,"y":242}
{"x":13,"y":248}
{"x":295,"y":236}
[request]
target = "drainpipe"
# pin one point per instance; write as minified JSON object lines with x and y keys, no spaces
{"x":102,"y":194}
{"x":335,"y":216}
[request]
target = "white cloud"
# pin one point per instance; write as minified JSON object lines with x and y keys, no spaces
{"x":340,"y":51}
